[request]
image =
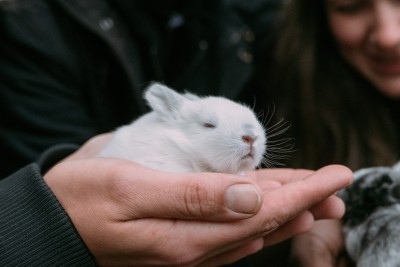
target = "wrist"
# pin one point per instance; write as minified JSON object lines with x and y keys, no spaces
{"x":55,"y":154}
{"x":37,"y":229}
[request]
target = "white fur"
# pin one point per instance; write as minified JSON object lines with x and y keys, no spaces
{"x":175,"y":137}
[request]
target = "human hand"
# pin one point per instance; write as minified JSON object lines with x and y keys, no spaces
{"x":323,"y":246}
{"x":91,"y":148}
{"x":331,"y":207}
{"x":131,"y":215}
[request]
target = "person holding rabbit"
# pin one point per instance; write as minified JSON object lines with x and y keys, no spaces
{"x":71,"y":70}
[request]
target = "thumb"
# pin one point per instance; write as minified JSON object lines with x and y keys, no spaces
{"x":208,"y":196}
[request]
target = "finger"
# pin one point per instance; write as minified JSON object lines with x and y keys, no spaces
{"x":319,"y":247}
{"x":288,"y":201}
{"x":280,"y":206}
{"x":148,"y":193}
{"x":235,"y":255}
{"x":316,"y":257}
{"x":331,"y":208}
{"x":305,"y":193}
{"x":297,"y":226}
{"x":202,"y":195}
{"x":280,"y":175}
{"x":202,"y":239}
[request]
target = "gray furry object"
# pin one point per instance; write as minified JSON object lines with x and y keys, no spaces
{"x":372,"y":219}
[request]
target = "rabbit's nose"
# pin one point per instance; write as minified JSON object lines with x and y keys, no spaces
{"x":248,"y":139}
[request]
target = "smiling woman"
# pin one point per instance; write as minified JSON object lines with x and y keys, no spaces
{"x":368,"y":36}
{"x":336,"y":77}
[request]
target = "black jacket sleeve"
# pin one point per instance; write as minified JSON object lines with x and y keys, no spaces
{"x":34,"y":228}
{"x":40,"y":104}
{"x":60,"y":82}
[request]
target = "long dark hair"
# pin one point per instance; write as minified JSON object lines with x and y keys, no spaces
{"x":337,"y":116}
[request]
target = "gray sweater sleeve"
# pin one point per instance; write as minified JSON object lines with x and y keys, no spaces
{"x":34,"y":228}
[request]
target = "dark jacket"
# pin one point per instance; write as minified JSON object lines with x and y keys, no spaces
{"x":71,"y":69}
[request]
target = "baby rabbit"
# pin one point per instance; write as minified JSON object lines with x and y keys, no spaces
{"x":188,"y":133}
{"x":372,"y":219}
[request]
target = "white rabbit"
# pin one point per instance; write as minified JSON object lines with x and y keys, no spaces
{"x":372,"y":219}
{"x":187,"y":133}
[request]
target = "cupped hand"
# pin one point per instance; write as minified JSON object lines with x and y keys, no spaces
{"x":129,"y":215}
{"x":298,"y":184}
{"x":323,"y":246}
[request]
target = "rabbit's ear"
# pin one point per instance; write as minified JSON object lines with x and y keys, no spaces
{"x":191,"y":96}
{"x":164,"y":101}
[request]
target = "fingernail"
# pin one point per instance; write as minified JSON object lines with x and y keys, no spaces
{"x":242,"y":198}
